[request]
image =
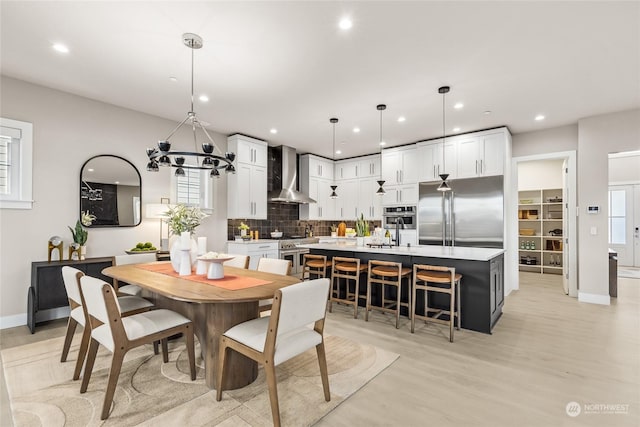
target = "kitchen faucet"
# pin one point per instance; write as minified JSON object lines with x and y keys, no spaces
{"x":398,"y":221}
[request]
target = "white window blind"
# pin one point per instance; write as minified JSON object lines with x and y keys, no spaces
{"x":16,"y":150}
{"x":188,"y":188}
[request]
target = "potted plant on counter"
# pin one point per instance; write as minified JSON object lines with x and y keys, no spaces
{"x":362,"y":230}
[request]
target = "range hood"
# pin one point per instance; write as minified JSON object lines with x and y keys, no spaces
{"x":284,"y":164}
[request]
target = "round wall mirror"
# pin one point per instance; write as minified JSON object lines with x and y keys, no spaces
{"x":110,"y":190}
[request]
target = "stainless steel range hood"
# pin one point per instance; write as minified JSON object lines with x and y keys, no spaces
{"x":285,"y":173}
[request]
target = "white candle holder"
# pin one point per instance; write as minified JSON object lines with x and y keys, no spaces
{"x":185,"y":262}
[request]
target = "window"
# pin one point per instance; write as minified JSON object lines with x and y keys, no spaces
{"x":617,"y":217}
{"x":195,"y":188}
{"x":16,"y":152}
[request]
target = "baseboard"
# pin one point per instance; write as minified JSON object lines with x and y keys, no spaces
{"x":42,"y":316}
{"x":594,"y":298}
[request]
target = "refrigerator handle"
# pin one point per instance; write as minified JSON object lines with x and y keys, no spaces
{"x":452,"y":227}
{"x":444,"y":221}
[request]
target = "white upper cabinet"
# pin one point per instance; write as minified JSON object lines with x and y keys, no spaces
{"x":369,"y":166}
{"x":247,"y":188}
{"x":347,"y":201}
{"x":436,"y":158}
{"x":347,"y":169}
{"x":320,"y":168}
{"x":400,"y":165}
{"x":248,"y":150}
{"x":481,"y":154}
{"x":404,"y":194}
{"x":369,"y":202}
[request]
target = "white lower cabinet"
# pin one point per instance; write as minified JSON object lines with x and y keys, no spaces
{"x":256,"y":249}
{"x":400,"y":195}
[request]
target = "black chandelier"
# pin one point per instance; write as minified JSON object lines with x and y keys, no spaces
{"x":163,"y":156}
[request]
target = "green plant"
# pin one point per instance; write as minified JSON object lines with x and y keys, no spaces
{"x":79,"y":234}
{"x":334,"y":228}
{"x":362,"y":226}
{"x":243,"y":226}
{"x":183,"y":218}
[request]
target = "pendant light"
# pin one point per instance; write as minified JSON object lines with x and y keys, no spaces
{"x":381,"y":192}
{"x":163,"y":156}
{"x":333,"y":120}
{"x":444,"y":186}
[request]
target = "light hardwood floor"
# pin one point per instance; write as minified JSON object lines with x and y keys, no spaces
{"x":546,"y":351}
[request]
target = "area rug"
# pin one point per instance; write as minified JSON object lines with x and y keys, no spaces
{"x":151,"y":393}
{"x":631,"y":273}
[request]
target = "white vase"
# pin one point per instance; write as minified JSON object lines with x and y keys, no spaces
{"x":359,"y":241}
{"x":83,"y":251}
{"x":175,"y":252}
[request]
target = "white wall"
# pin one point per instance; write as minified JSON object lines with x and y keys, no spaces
{"x":564,"y":138}
{"x":599,"y":136}
{"x":68,"y":130}
{"x":624,"y":169}
{"x":540,"y":174}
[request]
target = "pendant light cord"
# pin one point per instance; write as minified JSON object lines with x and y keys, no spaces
{"x":444,"y":134}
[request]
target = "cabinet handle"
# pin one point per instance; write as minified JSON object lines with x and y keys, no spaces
{"x":481,"y":166}
{"x":401,"y":176}
{"x":341,"y":213}
{"x":356,"y":170}
{"x":400,"y":195}
{"x":356,"y":211}
{"x":476,"y":167}
{"x":438,"y":171}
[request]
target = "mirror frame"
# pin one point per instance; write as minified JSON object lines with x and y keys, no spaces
{"x":80,"y":192}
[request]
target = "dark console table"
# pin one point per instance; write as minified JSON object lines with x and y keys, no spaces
{"x":47,"y":288}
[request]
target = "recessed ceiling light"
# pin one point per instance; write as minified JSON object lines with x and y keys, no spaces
{"x":356,"y":130}
{"x":539,"y":117}
{"x":456,"y":129}
{"x":401,"y":119}
{"x":59,"y":47}
{"x":338,"y":152}
{"x":90,"y":170}
{"x":458,"y":105}
{"x":117,"y":182}
{"x":204,"y":98}
{"x":486,"y":113}
{"x":383,"y":143}
{"x":173,"y":79}
{"x":345,"y":23}
{"x":274,"y":130}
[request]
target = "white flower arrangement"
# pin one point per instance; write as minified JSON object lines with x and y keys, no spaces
{"x":183,"y":218}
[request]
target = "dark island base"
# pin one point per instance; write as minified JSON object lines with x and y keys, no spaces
{"x":482,"y":286}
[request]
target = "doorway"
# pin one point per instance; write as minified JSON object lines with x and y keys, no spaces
{"x":624,"y":207}
{"x":547,"y":256}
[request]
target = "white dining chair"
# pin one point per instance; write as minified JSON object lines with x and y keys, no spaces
{"x":238,"y":261}
{"x":275,"y":266}
{"x":127,"y":289}
{"x":285,"y":334}
{"x":128,"y":304}
{"x":120,"y":334}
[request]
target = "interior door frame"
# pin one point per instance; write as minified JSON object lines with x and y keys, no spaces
{"x":570,"y":238}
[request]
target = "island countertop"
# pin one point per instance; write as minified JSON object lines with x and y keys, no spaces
{"x":444,"y":252}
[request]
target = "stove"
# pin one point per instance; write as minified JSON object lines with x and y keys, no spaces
{"x":290,"y":251}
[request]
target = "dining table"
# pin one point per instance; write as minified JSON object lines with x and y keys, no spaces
{"x":213,"y":305}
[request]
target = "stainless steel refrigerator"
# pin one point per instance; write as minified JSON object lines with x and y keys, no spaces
{"x":471,"y":214}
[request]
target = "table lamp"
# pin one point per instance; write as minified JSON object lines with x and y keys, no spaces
{"x":156,"y":211}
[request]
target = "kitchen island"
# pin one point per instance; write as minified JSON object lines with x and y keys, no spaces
{"x":482,"y":286}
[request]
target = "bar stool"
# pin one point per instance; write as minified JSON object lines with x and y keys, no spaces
{"x":443,"y":280}
{"x":314,"y":265}
{"x":347,"y":269}
{"x":386,"y":273}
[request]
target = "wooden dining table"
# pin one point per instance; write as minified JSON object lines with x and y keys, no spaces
{"x":212,"y":309}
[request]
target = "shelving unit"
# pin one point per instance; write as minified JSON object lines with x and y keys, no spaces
{"x":540,"y":215}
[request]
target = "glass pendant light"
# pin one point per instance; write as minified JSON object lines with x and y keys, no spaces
{"x":333,"y":120}
{"x":381,"y":192}
{"x":444,"y":185}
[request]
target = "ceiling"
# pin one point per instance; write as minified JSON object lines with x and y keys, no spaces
{"x":287,"y":65}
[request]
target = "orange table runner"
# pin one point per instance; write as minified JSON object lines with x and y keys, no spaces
{"x":229,"y":281}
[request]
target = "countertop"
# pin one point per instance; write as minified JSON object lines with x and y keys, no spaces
{"x":446,"y":252}
{"x":253,"y":242}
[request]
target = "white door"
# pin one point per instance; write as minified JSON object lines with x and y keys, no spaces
{"x":624,"y":223}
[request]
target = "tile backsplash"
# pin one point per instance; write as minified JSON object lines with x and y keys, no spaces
{"x":284,"y":217}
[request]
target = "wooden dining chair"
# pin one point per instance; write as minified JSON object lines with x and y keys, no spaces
{"x":285,"y":334}
{"x":120,"y":334}
{"x":128,"y":305}
{"x":275,"y":266}
{"x":127,"y":289}
{"x":238,"y":261}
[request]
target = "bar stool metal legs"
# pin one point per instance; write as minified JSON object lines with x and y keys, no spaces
{"x":385,"y":273}
{"x":429,"y":278}
{"x":348,"y":269}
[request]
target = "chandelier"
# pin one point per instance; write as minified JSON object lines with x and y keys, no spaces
{"x":163,"y":156}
